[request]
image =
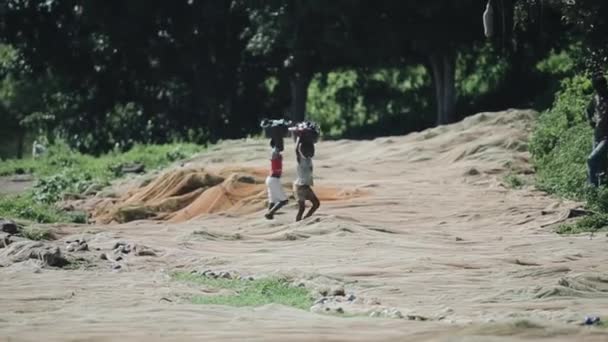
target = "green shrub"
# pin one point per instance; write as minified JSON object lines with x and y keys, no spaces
{"x":560,"y":145}
{"x":249,"y":292}
{"x":562,"y":140}
{"x":365,"y":103}
{"x":591,"y":223}
{"x":37,"y":233}
{"x":63,"y":171}
{"x":24,"y":207}
{"x":514,"y":181}
{"x":51,"y":189}
{"x":60,"y":158}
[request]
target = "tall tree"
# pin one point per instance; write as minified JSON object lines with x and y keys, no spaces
{"x":298,"y":38}
{"x":590,"y":19}
{"x":431,"y":32}
{"x":141,"y":70}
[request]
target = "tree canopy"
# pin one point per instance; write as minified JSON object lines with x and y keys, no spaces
{"x":105,"y":74}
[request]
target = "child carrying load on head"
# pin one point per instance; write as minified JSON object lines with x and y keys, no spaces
{"x":306,"y":134}
{"x":275,"y":130}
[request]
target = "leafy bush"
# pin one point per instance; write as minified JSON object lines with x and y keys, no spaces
{"x":366,"y":103}
{"x":24,"y":207}
{"x":560,"y":145}
{"x":479,"y":71}
{"x":562,"y":140}
{"x":51,"y":189}
{"x":63,"y":171}
{"x":37,"y":233}
{"x":514,"y":181}
{"x":591,"y":223}
{"x":60,"y":158}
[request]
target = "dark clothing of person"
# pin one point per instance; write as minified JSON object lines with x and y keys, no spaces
{"x":597,"y":113}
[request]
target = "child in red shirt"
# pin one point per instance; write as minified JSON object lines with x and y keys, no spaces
{"x":276,"y":195}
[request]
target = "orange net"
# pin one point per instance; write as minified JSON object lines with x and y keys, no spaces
{"x":184,"y":194}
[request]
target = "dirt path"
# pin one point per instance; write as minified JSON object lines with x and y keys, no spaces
{"x":12,"y":185}
{"x":437,"y":238}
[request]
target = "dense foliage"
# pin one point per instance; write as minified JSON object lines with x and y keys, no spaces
{"x":562,"y":141}
{"x":105,"y":74}
{"x":62,"y":173}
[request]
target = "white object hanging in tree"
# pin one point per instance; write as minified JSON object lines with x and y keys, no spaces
{"x":488,"y":20}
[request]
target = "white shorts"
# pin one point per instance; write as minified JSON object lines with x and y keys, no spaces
{"x":276,"y":193}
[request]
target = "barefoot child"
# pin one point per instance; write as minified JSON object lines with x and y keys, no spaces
{"x":305,"y":150}
{"x":276,"y":195}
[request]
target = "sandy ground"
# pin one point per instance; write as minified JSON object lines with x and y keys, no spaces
{"x":437,"y":237}
{"x":15,"y":184}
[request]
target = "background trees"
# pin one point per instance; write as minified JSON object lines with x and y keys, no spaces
{"x":104,"y":74}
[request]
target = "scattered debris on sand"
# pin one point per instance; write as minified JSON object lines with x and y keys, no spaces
{"x":24,"y":250}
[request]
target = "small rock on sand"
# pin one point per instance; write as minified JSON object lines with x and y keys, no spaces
{"x":8,"y":226}
{"x":145,"y":252}
{"x":119,"y":244}
{"x":321,"y":301}
{"x":141,"y":250}
{"x":225,"y":275}
{"x":77,"y":246}
{"x":209,"y":274}
{"x":5,"y":240}
{"x":337,"y":291}
{"x":387,"y":313}
{"x":25,"y":250}
{"x":472,"y":172}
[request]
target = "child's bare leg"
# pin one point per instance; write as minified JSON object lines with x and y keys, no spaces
{"x":276,"y":207}
{"x":270,"y":206}
{"x":301,"y":208}
{"x":315,"y":204}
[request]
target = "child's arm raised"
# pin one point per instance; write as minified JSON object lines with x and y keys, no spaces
{"x":298,"y":149}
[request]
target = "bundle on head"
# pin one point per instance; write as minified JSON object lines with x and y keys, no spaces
{"x":275,"y":129}
{"x":307,"y":131}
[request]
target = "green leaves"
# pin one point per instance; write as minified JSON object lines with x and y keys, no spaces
{"x":249,"y":292}
{"x":64,"y":172}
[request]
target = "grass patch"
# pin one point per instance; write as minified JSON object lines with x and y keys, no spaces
{"x":249,"y":292}
{"x":562,"y":140}
{"x":26,"y":208}
{"x":37,"y":233}
{"x":588,"y":224}
{"x":560,"y":144}
{"x":62,"y":172}
{"x":514,"y":181}
{"x":60,"y":157}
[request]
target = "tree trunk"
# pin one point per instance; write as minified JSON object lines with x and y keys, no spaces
{"x":299,"y":83}
{"x":443,"y":68}
{"x":507,"y":8}
{"x":436,"y":70}
{"x":20,"y":142}
{"x":449,"y":83}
